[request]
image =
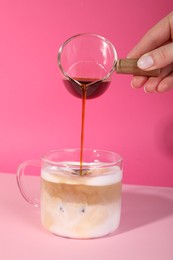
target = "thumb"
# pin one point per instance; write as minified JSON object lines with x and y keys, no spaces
{"x":158,"y":58}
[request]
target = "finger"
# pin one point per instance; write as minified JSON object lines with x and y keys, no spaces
{"x":158,"y":58}
{"x":138,"y":81}
{"x":152,"y":83}
{"x":158,"y":35}
{"x":166,"y":84}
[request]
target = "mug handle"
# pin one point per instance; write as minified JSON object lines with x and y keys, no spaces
{"x":20,"y":173}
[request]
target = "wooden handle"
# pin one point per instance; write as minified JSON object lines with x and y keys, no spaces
{"x":129,"y":66}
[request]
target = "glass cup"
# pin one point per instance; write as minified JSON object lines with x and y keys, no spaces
{"x":87,"y":59}
{"x":74,"y":206}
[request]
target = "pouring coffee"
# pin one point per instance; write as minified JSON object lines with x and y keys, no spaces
{"x":87,"y":62}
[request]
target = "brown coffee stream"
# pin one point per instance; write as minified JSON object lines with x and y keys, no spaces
{"x":85,"y":92}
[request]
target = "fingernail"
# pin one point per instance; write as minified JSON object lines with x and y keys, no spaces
{"x":131,"y":83}
{"x":145,"y":62}
{"x":145,"y":89}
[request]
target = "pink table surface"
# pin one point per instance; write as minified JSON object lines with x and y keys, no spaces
{"x":145,"y":232}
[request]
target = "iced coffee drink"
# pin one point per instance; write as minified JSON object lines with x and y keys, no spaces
{"x":77,"y":206}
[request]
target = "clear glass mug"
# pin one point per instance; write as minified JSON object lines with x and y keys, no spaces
{"x":72,"y":205}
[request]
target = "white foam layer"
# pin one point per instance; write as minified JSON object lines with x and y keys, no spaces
{"x":95,"y":177}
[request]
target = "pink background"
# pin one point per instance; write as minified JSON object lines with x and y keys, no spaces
{"x":38,"y":114}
